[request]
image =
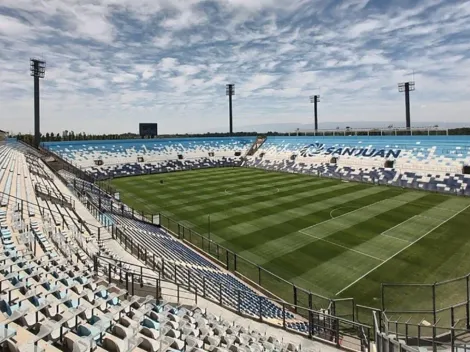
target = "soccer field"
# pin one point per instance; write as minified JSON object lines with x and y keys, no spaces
{"x":337,"y":239}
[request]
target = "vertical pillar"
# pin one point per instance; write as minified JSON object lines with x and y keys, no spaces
{"x":230,"y":110}
{"x":407,"y":105}
{"x":37,"y":133}
{"x":315,"y":101}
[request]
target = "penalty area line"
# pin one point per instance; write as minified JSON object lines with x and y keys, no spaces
{"x":340,"y":245}
{"x":401,"y":250}
{"x":348,"y":213}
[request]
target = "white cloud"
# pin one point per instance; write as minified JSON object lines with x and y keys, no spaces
{"x":12,"y":27}
{"x":168,"y":63}
{"x":184,"y":19}
{"x":256,"y":82}
{"x":124,"y":78}
{"x":109,"y":60}
{"x":364,"y":27}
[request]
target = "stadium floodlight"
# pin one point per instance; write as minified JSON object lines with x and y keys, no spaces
{"x":407,"y":87}
{"x":230,"y":91}
{"x":38,"y":70}
{"x":315,"y":99}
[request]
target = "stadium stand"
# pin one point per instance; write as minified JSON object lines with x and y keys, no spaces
{"x":129,"y":169}
{"x":120,"y":158}
{"x":67,"y":285}
{"x":439,"y":164}
{"x":433,"y":163}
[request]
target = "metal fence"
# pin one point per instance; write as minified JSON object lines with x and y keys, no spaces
{"x":319,"y":325}
{"x":25,"y":208}
{"x":63,"y":164}
{"x":252,"y":273}
{"x":445,"y":302}
{"x":428,"y":314}
{"x":133,"y":279}
{"x":385,"y":342}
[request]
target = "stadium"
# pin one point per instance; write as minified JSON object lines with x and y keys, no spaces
{"x":171,"y":240}
{"x":352,"y":241}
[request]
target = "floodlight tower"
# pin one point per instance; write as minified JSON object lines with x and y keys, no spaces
{"x":315,"y":99}
{"x":230,"y":91}
{"x":38,"y":70}
{"x":407,"y":87}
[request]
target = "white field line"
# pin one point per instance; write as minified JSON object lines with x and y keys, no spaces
{"x":337,"y":217}
{"x":426,"y":217}
{"x":438,"y":208}
{"x":396,"y":238}
{"x":350,"y":207}
{"x":340,"y":245}
{"x":401,"y":239}
{"x":404,"y":248}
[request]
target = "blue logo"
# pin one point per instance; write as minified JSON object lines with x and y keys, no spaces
{"x":312,"y":149}
{"x":319,"y":148}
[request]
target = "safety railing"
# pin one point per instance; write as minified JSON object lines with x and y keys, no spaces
{"x":319,"y":324}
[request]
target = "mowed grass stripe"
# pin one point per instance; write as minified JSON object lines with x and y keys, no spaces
{"x":262,"y":207}
{"x":189,"y":187}
{"x":255,"y":193}
{"x":261,"y":189}
{"x":237,"y":225}
{"x":256,"y":246}
{"x":227,"y":213}
{"x":179,"y":199}
{"x":349,"y":219}
{"x":227,"y":201}
{"x":174,"y":198}
{"x":295,"y":241}
{"x":440,"y":255}
{"x":226,"y":216}
{"x":344,"y":269}
{"x":423,"y":235}
{"x":363,"y":225}
{"x":367,"y":236}
{"x":173,"y":205}
{"x":196,"y":179}
{"x":276,"y":214}
{"x":184,"y":177}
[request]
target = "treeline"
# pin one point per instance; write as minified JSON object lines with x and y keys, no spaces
{"x":51,"y":137}
{"x":460,"y":131}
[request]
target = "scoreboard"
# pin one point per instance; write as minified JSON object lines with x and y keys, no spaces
{"x":148,"y":129}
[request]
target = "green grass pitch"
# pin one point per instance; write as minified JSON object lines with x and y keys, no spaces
{"x":337,"y":239}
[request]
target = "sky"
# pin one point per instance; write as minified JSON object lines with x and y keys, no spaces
{"x":114,"y":63}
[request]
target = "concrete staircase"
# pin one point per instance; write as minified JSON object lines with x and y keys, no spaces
{"x":256,"y":145}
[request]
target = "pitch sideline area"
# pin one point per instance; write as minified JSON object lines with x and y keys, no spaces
{"x":284,"y":222}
